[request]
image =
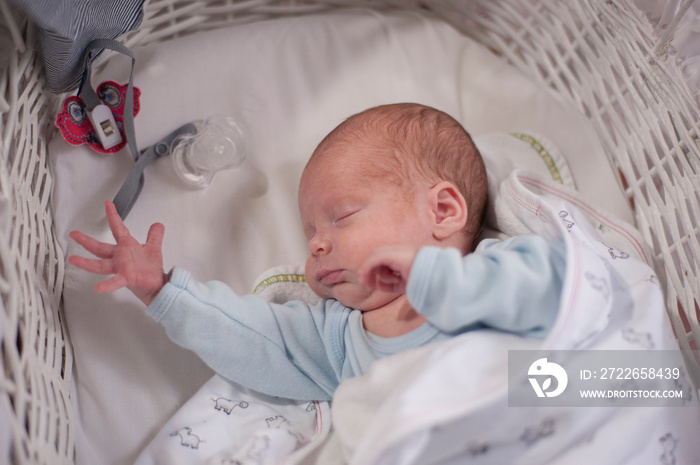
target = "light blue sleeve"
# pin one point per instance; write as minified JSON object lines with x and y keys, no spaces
{"x":292,"y":351}
{"x":513,"y":285}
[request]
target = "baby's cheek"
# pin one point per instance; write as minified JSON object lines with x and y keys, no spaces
{"x":308,"y":268}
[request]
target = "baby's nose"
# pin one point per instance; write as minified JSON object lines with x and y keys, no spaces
{"x":319,"y":245}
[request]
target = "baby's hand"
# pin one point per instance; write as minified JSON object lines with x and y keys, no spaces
{"x":138,"y":267}
{"x":387,"y":268}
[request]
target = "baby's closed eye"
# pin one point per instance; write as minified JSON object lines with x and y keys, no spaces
{"x":345,"y":216}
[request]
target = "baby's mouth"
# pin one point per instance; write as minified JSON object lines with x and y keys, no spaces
{"x":329,"y":277}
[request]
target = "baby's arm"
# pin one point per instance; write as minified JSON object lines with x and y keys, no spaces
{"x":138,"y":267}
{"x":514,"y":285}
{"x":293,"y":350}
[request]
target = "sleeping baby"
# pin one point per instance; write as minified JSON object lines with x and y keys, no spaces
{"x":392,"y":204}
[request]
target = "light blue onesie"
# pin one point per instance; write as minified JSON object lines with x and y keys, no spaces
{"x":297,"y":351}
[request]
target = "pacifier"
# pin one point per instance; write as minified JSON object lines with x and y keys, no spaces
{"x":218,"y":144}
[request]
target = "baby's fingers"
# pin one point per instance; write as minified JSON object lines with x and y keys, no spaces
{"x":155,"y":235}
{"x":95,"y":247}
{"x":386,"y":279}
{"x":119,"y":229}
{"x":371,"y":272}
{"x":112,"y":284}
{"x":92,"y":265}
{"x":387,"y":268}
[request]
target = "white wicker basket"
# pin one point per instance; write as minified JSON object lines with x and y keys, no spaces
{"x":602,"y":56}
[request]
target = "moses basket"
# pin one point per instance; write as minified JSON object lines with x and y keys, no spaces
{"x":603,"y":56}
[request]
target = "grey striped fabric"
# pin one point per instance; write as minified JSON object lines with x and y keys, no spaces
{"x":68,"y":26}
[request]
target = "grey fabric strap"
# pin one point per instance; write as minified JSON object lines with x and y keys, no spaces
{"x":131,"y":188}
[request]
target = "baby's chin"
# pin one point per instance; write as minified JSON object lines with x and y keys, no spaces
{"x":366,"y":302}
{"x":353,"y":295}
{"x":319,"y":289}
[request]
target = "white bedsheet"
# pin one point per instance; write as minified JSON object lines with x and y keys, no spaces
{"x":289,"y":82}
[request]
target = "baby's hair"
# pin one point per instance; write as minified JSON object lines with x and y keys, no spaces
{"x":417,"y":140}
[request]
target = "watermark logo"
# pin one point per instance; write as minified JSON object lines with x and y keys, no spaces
{"x":541,"y":368}
{"x":600,"y":378}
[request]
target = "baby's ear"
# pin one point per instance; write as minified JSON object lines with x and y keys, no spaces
{"x":449,"y":210}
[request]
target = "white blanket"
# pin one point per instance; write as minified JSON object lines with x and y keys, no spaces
{"x":449,"y":401}
{"x":225,"y":423}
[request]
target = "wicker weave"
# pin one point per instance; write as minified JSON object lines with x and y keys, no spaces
{"x":36,"y":354}
{"x":601,"y":56}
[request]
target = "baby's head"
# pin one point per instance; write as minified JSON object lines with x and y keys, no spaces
{"x":394,"y":174}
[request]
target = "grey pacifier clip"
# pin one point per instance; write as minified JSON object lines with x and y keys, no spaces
{"x":99,"y":114}
{"x":131,"y":188}
{"x":107,"y":131}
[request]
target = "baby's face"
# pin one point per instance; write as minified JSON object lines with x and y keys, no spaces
{"x":347,"y":214}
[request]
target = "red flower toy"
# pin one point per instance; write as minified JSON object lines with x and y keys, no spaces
{"x":75,"y":125}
